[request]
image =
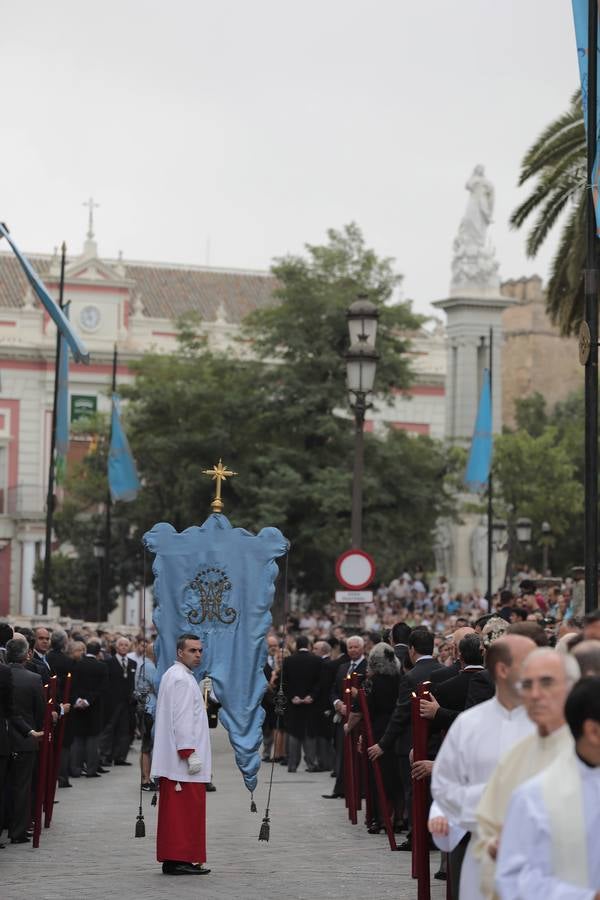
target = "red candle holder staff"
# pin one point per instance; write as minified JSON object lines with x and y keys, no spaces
{"x":44,"y":758}
{"x":54,"y":768}
{"x":420,"y":800}
{"x":368,"y":741}
{"x":349,"y":755}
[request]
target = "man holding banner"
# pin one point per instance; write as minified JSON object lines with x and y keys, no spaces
{"x":182,"y":761}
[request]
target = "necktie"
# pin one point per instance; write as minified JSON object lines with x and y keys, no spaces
{"x":124,"y":664}
{"x":352,"y":668}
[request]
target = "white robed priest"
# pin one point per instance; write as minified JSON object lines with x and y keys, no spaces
{"x":477,"y":739}
{"x":181,"y":759}
{"x":546,"y":679}
{"x":550,"y":844}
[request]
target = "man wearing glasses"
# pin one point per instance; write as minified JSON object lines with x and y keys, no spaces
{"x":547,"y":677}
{"x":182,"y":761}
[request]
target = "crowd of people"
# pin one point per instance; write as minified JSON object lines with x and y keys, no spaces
{"x":512,"y":693}
{"x":105,"y":696}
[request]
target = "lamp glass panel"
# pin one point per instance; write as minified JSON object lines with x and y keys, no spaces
{"x":364,"y":325}
{"x":368,"y":367}
{"x":353,"y":366}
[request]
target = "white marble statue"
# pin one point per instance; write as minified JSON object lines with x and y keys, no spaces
{"x":474,"y":266}
{"x":480,"y":207}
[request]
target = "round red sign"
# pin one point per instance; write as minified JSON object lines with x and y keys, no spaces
{"x":355,"y":569}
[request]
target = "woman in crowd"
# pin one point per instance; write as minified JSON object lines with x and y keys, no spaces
{"x":381,"y":687}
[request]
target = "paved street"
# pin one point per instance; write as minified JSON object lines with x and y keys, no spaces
{"x":90,"y":852}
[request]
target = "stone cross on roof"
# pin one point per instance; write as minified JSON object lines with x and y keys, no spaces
{"x":91,"y":206}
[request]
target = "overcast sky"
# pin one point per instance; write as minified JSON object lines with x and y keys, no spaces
{"x":255,"y":126}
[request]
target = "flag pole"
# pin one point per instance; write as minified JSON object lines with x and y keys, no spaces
{"x":107,"y":522}
{"x":591,"y":317}
{"x":490,"y":506}
{"x":50,"y":494}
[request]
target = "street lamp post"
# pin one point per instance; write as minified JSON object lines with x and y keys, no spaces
{"x":361,"y":363}
{"x":545,"y":542}
{"x":99,"y":555}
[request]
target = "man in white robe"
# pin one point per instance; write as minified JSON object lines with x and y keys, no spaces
{"x":181,"y":759}
{"x":546,"y":680}
{"x":475,"y":742}
{"x":550,"y":845}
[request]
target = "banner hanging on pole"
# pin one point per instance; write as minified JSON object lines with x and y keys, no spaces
{"x":62,"y":408}
{"x":480,"y":457}
{"x":78,"y":348}
{"x":123,"y":479}
{"x":581,"y":19}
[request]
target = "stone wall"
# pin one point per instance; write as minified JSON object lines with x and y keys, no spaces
{"x":535,"y":358}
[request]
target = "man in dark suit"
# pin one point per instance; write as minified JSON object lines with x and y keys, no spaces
{"x":115,"y":738}
{"x":41,"y":647}
{"x":59,"y":663}
{"x":301,"y":678}
{"x":90,"y":680}
{"x":451,"y":695}
{"x":29,"y":705}
{"x":444,"y":673}
{"x":323,"y":715}
{"x":399,"y":641}
{"x":355,"y":647}
{"x":398,"y":734}
{"x":7,"y":717}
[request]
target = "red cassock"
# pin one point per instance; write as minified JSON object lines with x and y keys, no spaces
{"x":181,"y":831}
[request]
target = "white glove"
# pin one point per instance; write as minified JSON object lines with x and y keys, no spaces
{"x":194,"y":763}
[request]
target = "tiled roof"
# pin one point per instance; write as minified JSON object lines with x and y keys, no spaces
{"x":167,"y":291}
{"x":13,"y":284}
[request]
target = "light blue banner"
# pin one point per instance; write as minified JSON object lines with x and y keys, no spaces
{"x":123,"y":479}
{"x":580,"y":16}
{"x":480,"y":457}
{"x":218,"y":582}
{"x":62,"y":407}
{"x":78,"y":348}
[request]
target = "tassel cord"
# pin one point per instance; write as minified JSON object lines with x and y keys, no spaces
{"x":280,"y":704}
{"x":140,"y":827}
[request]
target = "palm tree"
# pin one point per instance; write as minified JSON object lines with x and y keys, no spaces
{"x":557,"y":162}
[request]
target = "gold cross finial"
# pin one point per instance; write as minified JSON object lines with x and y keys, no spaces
{"x":219,"y":474}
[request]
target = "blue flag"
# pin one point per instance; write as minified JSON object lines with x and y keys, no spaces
{"x":62,"y":408}
{"x":218,"y":582}
{"x":580,"y":15}
{"x":123,"y":479}
{"x":480,"y":457}
{"x":78,"y":348}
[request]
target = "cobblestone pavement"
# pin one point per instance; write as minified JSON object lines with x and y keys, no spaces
{"x":90,"y":852}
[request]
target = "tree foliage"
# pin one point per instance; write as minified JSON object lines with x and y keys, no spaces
{"x":538,"y":471}
{"x":556,"y":163}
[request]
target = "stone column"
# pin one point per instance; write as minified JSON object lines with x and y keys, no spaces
{"x":27,"y":569}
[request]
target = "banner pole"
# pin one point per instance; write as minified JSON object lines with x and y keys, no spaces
{"x":50,"y":493}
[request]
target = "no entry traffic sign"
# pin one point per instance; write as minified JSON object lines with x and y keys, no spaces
{"x":355,"y":569}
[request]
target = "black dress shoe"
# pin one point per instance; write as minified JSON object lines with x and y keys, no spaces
{"x":440,"y":875}
{"x":183,"y":868}
{"x":123,"y":762}
{"x":291,"y":770}
{"x":20,"y":840}
{"x":63,"y":783}
{"x":93,"y":775}
{"x":333,"y":796}
{"x":210,"y":788}
{"x":102,"y":771}
{"x":405,"y":845}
